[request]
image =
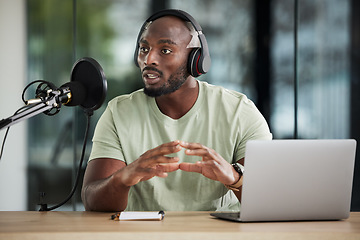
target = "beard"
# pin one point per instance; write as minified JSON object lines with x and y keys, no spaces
{"x":174,"y":82}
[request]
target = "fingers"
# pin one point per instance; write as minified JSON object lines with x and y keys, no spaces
{"x":156,"y":162}
{"x":160,"y":170}
{"x":157,"y":155}
{"x":162,"y":150}
{"x":190,"y":167}
{"x":199,"y":167}
{"x":153,"y":162}
{"x":197,"y":149}
{"x":212,"y":166}
{"x":188,"y":145}
{"x":163,"y":169}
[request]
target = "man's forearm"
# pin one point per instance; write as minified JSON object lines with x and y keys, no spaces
{"x":105,"y":195}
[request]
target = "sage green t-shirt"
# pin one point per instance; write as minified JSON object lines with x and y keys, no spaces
{"x":220,"y":119}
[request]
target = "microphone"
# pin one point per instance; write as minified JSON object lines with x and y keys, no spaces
{"x":87,"y":88}
{"x":72,"y":94}
{"x":69,"y":94}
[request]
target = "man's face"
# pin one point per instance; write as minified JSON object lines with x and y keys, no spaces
{"x":163,"y":56}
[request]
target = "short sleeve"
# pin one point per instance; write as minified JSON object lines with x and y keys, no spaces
{"x":106,"y":142}
{"x":252,"y":126}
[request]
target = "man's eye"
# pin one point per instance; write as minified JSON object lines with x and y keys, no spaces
{"x":166,"y":51}
{"x":143,"y":49}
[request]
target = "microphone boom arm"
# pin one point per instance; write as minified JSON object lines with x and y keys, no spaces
{"x":31,"y":110}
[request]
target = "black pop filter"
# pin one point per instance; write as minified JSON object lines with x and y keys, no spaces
{"x":90,"y":74}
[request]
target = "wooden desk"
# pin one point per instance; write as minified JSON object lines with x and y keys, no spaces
{"x":176,"y":225}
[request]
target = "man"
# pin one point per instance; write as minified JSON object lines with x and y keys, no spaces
{"x":171,"y":145}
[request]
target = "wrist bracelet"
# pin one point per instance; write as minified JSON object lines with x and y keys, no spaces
{"x":235,"y":186}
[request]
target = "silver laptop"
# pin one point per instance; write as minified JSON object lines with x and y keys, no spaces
{"x":294,"y":180}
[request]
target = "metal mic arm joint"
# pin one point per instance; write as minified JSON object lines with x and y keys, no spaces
{"x":65,"y":95}
{"x":57,"y":97}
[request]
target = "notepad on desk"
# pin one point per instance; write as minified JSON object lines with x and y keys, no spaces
{"x":138,"y":216}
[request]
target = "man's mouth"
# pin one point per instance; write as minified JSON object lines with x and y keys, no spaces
{"x":151,"y":76}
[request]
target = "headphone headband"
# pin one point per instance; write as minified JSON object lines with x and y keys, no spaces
{"x":199,"y":61}
{"x":177,"y":13}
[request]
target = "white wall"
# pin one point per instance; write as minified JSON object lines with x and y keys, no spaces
{"x":13,"y":180}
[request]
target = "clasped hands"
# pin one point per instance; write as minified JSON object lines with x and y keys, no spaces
{"x":156,"y":162}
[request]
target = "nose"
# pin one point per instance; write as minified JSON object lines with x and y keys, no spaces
{"x":151,"y":58}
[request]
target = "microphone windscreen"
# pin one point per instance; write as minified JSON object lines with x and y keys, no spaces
{"x":89,"y":72}
{"x":78,"y":93}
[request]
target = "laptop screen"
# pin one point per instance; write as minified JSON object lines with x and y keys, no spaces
{"x":297,"y":180}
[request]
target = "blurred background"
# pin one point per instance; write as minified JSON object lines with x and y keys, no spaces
{"x":296,"y":59}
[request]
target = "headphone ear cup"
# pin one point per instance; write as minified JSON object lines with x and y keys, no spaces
{"x":193,"y":61}
{"x":136,"y":55}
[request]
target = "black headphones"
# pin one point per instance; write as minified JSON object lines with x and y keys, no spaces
{"x":199,"y":61}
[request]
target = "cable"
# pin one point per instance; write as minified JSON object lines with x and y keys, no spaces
{"x":43,"y":206}
{"x":296,"y":80}
{"x":39,"y":89}
{"x":3,"y":144}
{"x":42,"y":93}
{"x":8,"y":129}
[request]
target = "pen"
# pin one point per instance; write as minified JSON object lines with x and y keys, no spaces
{"x":138,"y":216}
{"x":116,"y":216}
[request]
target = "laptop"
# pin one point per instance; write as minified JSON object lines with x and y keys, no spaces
{"x":296,"y":180}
